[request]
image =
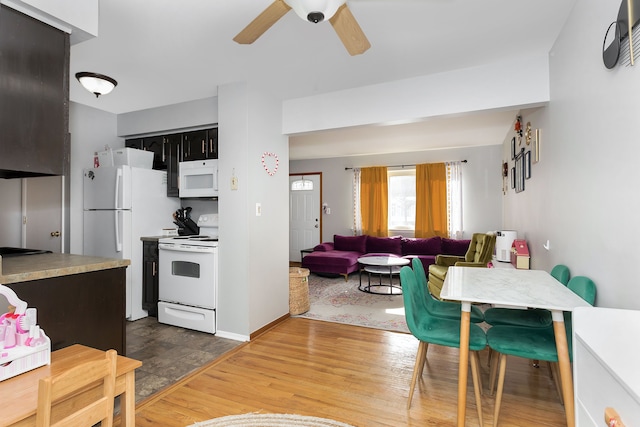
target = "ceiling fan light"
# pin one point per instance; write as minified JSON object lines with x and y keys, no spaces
{"x":304,"y":8}
{"x":98,"y":84}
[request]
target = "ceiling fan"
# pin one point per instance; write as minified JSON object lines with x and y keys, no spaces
{"x":336,"y":11}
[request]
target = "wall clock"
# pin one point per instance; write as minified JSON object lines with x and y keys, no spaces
{"x":270,"y":162}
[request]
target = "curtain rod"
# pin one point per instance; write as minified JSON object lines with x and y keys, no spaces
{"x":405,"y":166}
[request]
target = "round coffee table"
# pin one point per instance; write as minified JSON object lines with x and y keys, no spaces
{"x":382,"y":266}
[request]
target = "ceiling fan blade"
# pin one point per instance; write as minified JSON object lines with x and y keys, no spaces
{"x":262,"y":22}
{"x":349,"y":31}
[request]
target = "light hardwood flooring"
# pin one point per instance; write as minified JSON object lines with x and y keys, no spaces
{"x":356,"y":375}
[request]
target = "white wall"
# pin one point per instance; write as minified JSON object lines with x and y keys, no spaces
{"x":487,"y":87}
{"x":91,"y":130}
{"x":169,"y":118}
{"x":254,"y":279}
{"x":583,"y":195}
{"x":481,"y":188}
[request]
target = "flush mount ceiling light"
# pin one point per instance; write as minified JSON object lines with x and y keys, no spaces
{"x":97,"y":84}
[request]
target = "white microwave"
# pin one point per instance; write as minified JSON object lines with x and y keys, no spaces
{"x":198,"y":178}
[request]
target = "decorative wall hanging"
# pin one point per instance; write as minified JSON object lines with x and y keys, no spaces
{"x":536,"y":147}
{"x":271,"y":170}
{"x":527,"y":133}
{"x":527,"y":164}
{"x":517,"y":127}
{"x":513,"y":148}
{"x":519,"y":171}
{"x":620,"y":34}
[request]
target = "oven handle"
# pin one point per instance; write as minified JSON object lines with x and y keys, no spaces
{"x":180,"y":248}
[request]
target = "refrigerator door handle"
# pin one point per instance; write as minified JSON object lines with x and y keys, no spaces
{"x":118,"y":185}
{"x":117,"y":231}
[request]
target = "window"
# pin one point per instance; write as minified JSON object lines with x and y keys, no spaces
{"x":402,"y":199}
{"x":302,"y":185}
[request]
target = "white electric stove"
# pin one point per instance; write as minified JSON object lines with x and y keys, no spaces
{"x":188,"y":278}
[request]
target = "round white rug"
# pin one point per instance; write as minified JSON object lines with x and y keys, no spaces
{"x":269,"y":420}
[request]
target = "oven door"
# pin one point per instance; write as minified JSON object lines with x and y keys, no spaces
{"x":188,"y":275}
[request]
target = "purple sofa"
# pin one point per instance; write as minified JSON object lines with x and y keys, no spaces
{"x":340,"y":257}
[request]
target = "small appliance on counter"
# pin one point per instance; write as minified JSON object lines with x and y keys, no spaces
{"x":23,"y":345}
{"x":520,"y":254}
{"x":504,"y":240}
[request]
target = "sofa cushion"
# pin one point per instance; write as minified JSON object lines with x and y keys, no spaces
{"x":336,"y":259}
{"x":384,"y":245}
{"x":350,"y":243}
{"x":455,"y":247}
{"x":430,"y":246}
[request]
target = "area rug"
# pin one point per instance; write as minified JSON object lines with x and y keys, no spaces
{"x":340,"y":301}
{"x":268,"y":420}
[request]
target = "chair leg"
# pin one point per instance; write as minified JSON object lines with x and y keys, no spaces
{"x":424,"y":359}
{"x":503,"y":369}
{"x":556,"y":379}
{"x":477,"y":384}
{"x":493,"y":372}
{"x":420,"y":357}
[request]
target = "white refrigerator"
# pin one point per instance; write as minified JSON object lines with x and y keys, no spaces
{"x":122,"y":204}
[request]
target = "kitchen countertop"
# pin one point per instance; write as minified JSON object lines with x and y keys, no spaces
{"x":34,"y":267}
{"x":153,"y":238}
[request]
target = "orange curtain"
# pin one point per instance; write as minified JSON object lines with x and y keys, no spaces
{"x":373,"y":201}
{"x":431,"y":200}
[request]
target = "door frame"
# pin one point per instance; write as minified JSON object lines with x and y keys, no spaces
{"x":319,"y":174}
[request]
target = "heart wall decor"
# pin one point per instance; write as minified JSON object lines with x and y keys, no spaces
{"x":271,"y":158}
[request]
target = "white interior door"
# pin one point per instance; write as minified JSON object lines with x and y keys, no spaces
{"x":304,"y":214}
{"x":42,"y":216}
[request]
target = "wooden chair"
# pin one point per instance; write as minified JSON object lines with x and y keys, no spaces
{"x":90,"y":406}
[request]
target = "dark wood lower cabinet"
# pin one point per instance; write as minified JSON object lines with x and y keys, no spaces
{"x":150,"y":277}
{"x":87,"y":308}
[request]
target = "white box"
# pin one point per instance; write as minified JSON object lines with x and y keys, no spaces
{"x":126,"y":157}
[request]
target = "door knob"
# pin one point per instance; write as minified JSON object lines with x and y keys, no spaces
{"x":55,"y":234}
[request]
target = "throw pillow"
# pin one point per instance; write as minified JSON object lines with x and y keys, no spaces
{"x":430,"y":246}
{"x":384,"y":245}
{"x":455,"y":247}
{"x":350,"y":243}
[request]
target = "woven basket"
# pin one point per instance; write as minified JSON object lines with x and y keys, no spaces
{"x":298,"y":290}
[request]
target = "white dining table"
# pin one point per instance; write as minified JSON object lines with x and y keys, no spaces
{"x":515,"y":288}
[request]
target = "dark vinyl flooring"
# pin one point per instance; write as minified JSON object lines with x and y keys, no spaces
{"x":169,"y":353}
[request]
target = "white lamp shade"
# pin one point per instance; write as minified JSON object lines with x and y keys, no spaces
{"x":304,"y":7}
{"x":97,"y":84}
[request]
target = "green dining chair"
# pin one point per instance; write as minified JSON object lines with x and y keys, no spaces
{"x":532,"y":318}
{"x":444,"y":309}
{"x":533,"y":343}
{"x":429,"y":329}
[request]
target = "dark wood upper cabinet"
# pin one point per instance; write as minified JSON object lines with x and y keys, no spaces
{"x":172,"y":147}
{"x":34,"y":97}
{"x":194,"y":145}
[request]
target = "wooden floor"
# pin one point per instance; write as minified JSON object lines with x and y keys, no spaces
{"x":356,"y":375}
